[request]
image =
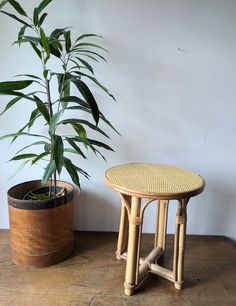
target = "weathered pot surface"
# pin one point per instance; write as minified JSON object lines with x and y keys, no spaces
{"x":41,"y":232}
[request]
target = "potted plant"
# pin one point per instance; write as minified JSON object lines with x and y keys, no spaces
{"x":41,"y":211}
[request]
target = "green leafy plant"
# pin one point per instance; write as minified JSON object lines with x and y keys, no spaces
{"x":74,"y":57}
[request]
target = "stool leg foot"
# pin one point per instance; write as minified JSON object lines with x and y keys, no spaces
{"x":132,"y":264}
{"x":129,"y":292}
{"x":179,"y":245}
{"x":118,"y":257}
{"x":178,"y":286}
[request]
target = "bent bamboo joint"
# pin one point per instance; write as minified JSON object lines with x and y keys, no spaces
{"x":135,"y":220}
{"x":149,"y":264}
{"x":181,"y":219}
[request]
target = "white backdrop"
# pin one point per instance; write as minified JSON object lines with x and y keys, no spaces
{"x":172,"y":69}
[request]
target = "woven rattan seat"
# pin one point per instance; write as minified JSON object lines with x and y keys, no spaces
{"x":152,"y":182}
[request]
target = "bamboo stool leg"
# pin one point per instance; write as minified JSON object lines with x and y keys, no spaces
{"x":123,"y":232}
{"x":179,"y":245}
{"x":160,"y":235}
{"x":132,"y":264}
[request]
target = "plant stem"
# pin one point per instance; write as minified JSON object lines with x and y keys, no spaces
{"x":49,"y":97}
{"x":63,"y":81}
{"x":50,"y":109}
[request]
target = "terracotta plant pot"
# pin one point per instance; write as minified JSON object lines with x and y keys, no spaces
{"x":41,"y":232}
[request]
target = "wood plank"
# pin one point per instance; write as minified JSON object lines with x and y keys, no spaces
{"x":93,"y":276}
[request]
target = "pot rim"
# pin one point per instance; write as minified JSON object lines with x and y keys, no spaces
{"x":39,"y":204}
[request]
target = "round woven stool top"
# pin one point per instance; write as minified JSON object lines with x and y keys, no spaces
{"x":154,"y":181}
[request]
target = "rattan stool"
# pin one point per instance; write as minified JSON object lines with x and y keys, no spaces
{"x":152,"y":182}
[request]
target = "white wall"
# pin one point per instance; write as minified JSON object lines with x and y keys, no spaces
{"x":172,"y":69}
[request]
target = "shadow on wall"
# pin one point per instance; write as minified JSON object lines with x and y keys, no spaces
{"x":214,"y":212}
{"x":211,"y":213}
{"x":223,"y":207}
{"x":95,"y":212}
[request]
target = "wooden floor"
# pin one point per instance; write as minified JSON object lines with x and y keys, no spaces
{"x":92,"y":276}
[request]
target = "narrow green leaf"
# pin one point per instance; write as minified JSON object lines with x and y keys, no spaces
{"x":10,"y":104}
{"x":27,"y":38}
{"x":91,"y":143}
{"x":42,"y":5}
{"x":33,"y":39}
{"x":54,"y":50}
{"x":54,"y":120}
{"x":82,"y":51}
{"x":88,"y":35}
{"x":71,"y":169}
{"x":16,"y":18}
{"x":108,"y":123}
{"x":36,"y":16}
{"x":41,"y":19}
{"x":45,"y":73}
{"x":17,"y":7}
{"x":90,"y":45}
{"x":37,"y":51}
{"x":29,"y":76}
{"x":82,"y":108}
{"x":45,"y":44}
{"x":74,"y":99}
{"x":77,"y":65}
{"x":48,"y":147}
{"x":96,"y":82}
{"x":87,"y":110}
{"x":42,"y":108}
{"x":66,"y":90}
{"x":83,"y":140}
{"x":67,"y":41}
{"x":57,"y":44}
{"x":91,"y":57}
{"x":17,"y":94}
{"x":58,"y":150}
{"x":21,"y":134}
{"x":21,"y":33}
{"x":63,"y":83}
{"x":100,"y":144}
{"x":88,"y":96}
{"x":103,"y":157}
{"x":80,"y":130}
{"x":70,"y":150}
{"x":14,"y":85}
{"x":56,"y":33}
{"x":19,"y":168}
{"x":59,"y":79}
{"x":32,"y":144}
{"x":51,"y":167}
{"x":23,"y":156}
{"x":86,"y":64}
{"x":75,"y":147}
{"x":38,"y":157}
{"x":81,"y":171}
{"x":34,"y":115}
{"x":85,"y":122}
{"x":3,"y":3}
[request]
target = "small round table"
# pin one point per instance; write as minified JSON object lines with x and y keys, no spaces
{"x":135,"y":182}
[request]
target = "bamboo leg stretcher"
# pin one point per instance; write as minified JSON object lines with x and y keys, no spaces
{"x":161,"y":184}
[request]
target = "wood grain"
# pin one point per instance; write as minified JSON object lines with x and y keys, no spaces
{"x":93,"y":276}
{"x":40,"y":234}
